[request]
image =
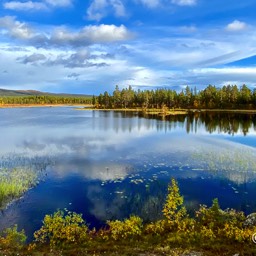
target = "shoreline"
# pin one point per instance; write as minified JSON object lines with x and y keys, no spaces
{"x":42,"y":105}
{"x":171,"y":112}
{"x":147,"y":111}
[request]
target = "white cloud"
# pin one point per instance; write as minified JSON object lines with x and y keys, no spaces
{"x":101,"y":8}
{"x":236,"y":25}
{"x":96,"y":10}
{"x":62,"y":36}
{"x":184,"y":2}
{"x":118,"y":8}
{"x":89,"y":35}
{"x":105,"y":33}
{"x":176,"y":56}
{"x":150,"y":3}
{"x":59,"y":3}
{"x":36,"y":6}
{"x":227,"y":71}
{"x":25,"y":6}
{"x":164,"y":3}
{"x":222,"y":76}
{"x":16,"y":29}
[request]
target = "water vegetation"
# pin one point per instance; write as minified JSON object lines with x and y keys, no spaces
{"x":232,"y":163}
{"x":212,"y":231}
{"x":18,"y":174}
{"x":146,"y":111}
{"x":13,"y":183}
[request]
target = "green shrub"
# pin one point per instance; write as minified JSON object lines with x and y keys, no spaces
{"x":157,"y":228}
{"x":214,"y":223}
{"x":129,"y":228}
{"x":174,"y":210}
{"x":62,"y":229}
{"x":11,"y":238}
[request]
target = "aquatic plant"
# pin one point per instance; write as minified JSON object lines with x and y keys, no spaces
{"x":13,"y":183}
{"x":18,"y":173}
{"x":232,"y":163}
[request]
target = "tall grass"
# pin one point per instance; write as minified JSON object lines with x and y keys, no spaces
{"x":13,"y":183}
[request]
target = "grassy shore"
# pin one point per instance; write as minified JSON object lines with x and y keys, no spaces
{"x":246,"y":111}
{"x":149,"y":111}
{"x":155,"y":111}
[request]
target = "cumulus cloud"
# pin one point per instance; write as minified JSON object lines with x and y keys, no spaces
{"x":89,"y":35}
{"x":101,"y":8}
{"x":236,"y":25}
{"x":184,"y":2}
{"x":36,"y":6}
{"x":62,"y":36}
{"x":16,"y":29}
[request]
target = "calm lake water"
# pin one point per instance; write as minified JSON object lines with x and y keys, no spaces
{"x":107,"y":165}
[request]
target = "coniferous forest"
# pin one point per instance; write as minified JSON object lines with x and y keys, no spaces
{"x":44,"y":99}
{"x":226,"y":97}
{"x":212,"y":97}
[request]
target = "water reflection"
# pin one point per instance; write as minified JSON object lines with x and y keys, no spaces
{"x":110,"y":164}
{"x":220,"y":122}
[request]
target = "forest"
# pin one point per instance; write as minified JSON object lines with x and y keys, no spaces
{"x":226,"y":97}
{"x":43,"y":100}
{"x":212,"y":97}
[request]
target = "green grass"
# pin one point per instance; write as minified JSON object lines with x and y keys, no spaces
{"x":13,"y":183}
{"x":150,"y":111}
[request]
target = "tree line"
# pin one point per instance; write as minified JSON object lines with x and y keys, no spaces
{"x":211,"y":97}
{"x":44,"y":99}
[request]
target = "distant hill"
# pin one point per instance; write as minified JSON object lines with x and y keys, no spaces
{"x":23,"y":93}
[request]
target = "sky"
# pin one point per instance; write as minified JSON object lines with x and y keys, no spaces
{"x":79,"y":46}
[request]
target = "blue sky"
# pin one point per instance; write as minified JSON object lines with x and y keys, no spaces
{"x":90,"y":46}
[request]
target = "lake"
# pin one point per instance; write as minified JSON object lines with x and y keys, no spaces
{"x":107,"y":165}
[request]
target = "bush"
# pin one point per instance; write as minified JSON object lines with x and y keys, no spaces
{"x":173,"y":209}
{"x":129,"y":228}
{"x":157,"y":228}
{"x":12,"y":238}
{"x":215,"y":223}
{"x":62,"y":229}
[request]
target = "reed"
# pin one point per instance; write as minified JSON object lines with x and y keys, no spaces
{"x":13,"y":183}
